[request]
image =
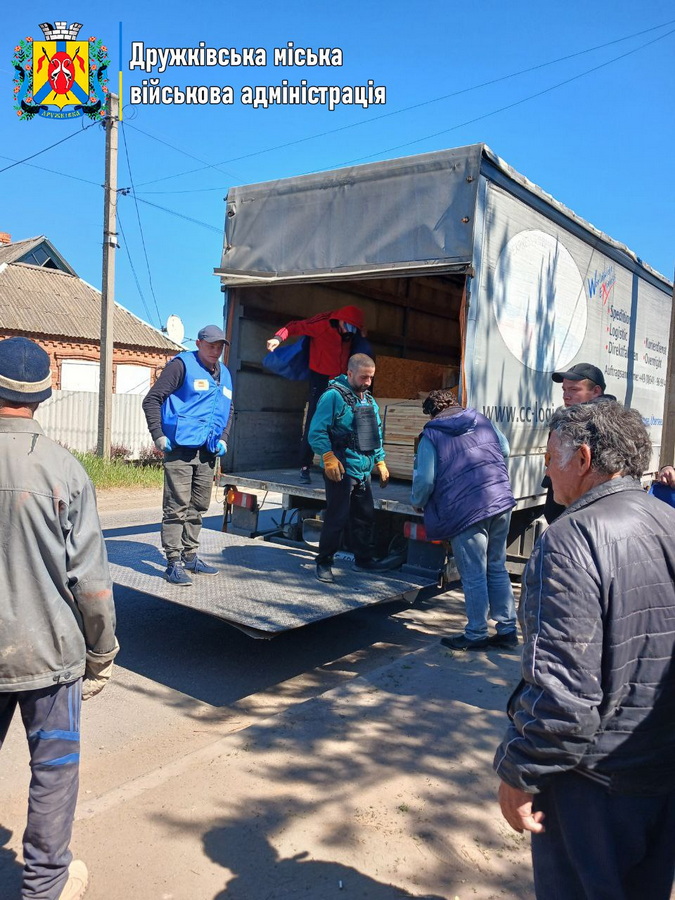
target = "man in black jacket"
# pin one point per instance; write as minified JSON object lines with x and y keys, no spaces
{"x":588,"y":761}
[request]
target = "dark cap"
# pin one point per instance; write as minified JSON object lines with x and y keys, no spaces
{"x":581,"y":371}
{"x":212,"y":334}
{"x":25,"y":371}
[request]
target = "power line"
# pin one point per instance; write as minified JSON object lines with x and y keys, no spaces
{"x":51,"y":147}
{"x":132,"y":267}
{"x":53,"y":171}
{"x":418,"y":105}
{"x":181,"y":216}
{"x":502,"y":108}
{"x":184,"y":152}
{"x":140,"y":227}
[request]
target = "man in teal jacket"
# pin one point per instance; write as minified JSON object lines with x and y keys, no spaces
{"x":346,"y":432}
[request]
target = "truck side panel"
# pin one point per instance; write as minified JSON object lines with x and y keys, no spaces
{"x":544,"y":299}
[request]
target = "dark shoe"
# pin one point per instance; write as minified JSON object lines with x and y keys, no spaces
{"x":507,"y":640}
{"x":198,"y":567}
{"x":461,"y":642}
{"x":176,"y":574}
{"x":372,"y":565}
{"x":324,"y":573}
{"x":305,"y":476}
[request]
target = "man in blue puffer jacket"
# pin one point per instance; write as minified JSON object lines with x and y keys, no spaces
{"x":461,"y":482}
{"x":189,"y":413}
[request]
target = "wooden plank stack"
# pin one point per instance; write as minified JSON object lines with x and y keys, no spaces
{"x":402,"y":421}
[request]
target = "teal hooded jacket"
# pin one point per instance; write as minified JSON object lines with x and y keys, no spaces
{"x":334,"y":413}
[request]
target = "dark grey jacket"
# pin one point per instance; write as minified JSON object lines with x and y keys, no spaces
{"x":56,"y":604}
{"x":598,"y":621}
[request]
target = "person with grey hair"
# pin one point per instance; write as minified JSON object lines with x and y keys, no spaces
{"x":57,"y":640}
{"x":586,"y":764}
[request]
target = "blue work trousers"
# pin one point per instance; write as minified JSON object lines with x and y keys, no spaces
{"x":51,"y":718}
{"x":480,"y":556}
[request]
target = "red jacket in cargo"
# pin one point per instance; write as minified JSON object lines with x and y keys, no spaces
{"x":328,"y":353}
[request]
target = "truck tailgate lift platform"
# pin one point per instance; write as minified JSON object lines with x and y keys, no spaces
{"x":262,"y":589}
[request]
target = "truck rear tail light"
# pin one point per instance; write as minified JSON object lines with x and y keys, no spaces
{"x":415,"y":531}
{"x":239,"y":498}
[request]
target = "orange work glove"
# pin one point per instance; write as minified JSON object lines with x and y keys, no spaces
{"x":384,"y":473}
{"x":332,"y":466}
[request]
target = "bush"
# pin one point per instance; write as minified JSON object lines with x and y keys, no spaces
{"x":149,"y":455}
{"x":117,"y":451}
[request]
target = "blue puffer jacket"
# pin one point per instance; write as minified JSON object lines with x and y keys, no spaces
{"x":472,"y":482}
{"x":598,"y":619}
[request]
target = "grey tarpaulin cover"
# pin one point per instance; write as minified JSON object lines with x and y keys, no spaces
{"x":367,"y":219}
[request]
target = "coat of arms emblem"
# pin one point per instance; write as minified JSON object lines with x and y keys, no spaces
{"x":60,"y":77}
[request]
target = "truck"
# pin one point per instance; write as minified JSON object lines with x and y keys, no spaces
{"x":457,"y":261}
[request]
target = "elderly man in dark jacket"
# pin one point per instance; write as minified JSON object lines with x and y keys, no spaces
{"x":461,"y":482}
{"x":588,"y":761}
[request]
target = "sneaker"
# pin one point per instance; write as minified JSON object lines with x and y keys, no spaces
{"x":324,"y":573}
{"x":507,"y":640}
{"x":461,"y":642}
{"x":305,"y":477}
{"x":176,"y":574}
{"x":198,"y":567}
{"x":78,"y":879}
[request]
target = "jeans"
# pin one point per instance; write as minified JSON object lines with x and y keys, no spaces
{"x":188,"y":485}
{"x":51,"y":718}
{"x":600,"y":845}
{"x":480,"y":555}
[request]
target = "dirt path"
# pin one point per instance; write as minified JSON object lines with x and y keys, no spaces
{"x":114,"y":499}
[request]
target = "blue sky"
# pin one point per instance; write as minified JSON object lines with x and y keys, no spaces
{"x":600,"y":143}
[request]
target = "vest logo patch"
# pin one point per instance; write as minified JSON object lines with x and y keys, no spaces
{"x":200,"y":384}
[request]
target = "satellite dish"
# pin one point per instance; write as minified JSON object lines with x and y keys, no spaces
{"x":174,"y":329}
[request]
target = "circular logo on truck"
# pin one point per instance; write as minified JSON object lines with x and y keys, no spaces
{"x":539,"y":301}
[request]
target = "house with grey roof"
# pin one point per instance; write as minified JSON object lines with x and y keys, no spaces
{"x":42,"y":297}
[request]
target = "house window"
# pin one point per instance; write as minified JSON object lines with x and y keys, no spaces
{"x":79,"y":375}
{"x":132,"y":379}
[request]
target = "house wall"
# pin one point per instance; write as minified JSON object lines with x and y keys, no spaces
{"x":60,"y":350}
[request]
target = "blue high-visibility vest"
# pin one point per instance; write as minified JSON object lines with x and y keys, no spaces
{"x":196,"y":413}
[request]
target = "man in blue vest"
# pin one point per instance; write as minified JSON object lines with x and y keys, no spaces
{"x":461,"y":482}
{"x":189,"y":413}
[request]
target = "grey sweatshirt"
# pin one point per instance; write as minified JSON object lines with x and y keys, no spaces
{"x":56,"y":601}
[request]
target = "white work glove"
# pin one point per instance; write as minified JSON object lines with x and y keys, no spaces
{"x":163,"y":443}
{"x":272,"y":344}
{"x":98,"y":671}
{"x":221,"y":448}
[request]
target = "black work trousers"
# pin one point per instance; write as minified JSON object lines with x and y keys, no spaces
{"x":348,"y":503}
{"x":602,"y":846}
{"x":317,"y":385}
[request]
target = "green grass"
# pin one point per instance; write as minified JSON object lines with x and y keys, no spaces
{"x":117,"y":474}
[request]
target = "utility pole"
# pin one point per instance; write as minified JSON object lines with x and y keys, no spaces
{"x":108,"y":280}
{"x":668,"y":433}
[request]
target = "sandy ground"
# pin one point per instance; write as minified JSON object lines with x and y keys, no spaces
{"x":114,"y":499}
